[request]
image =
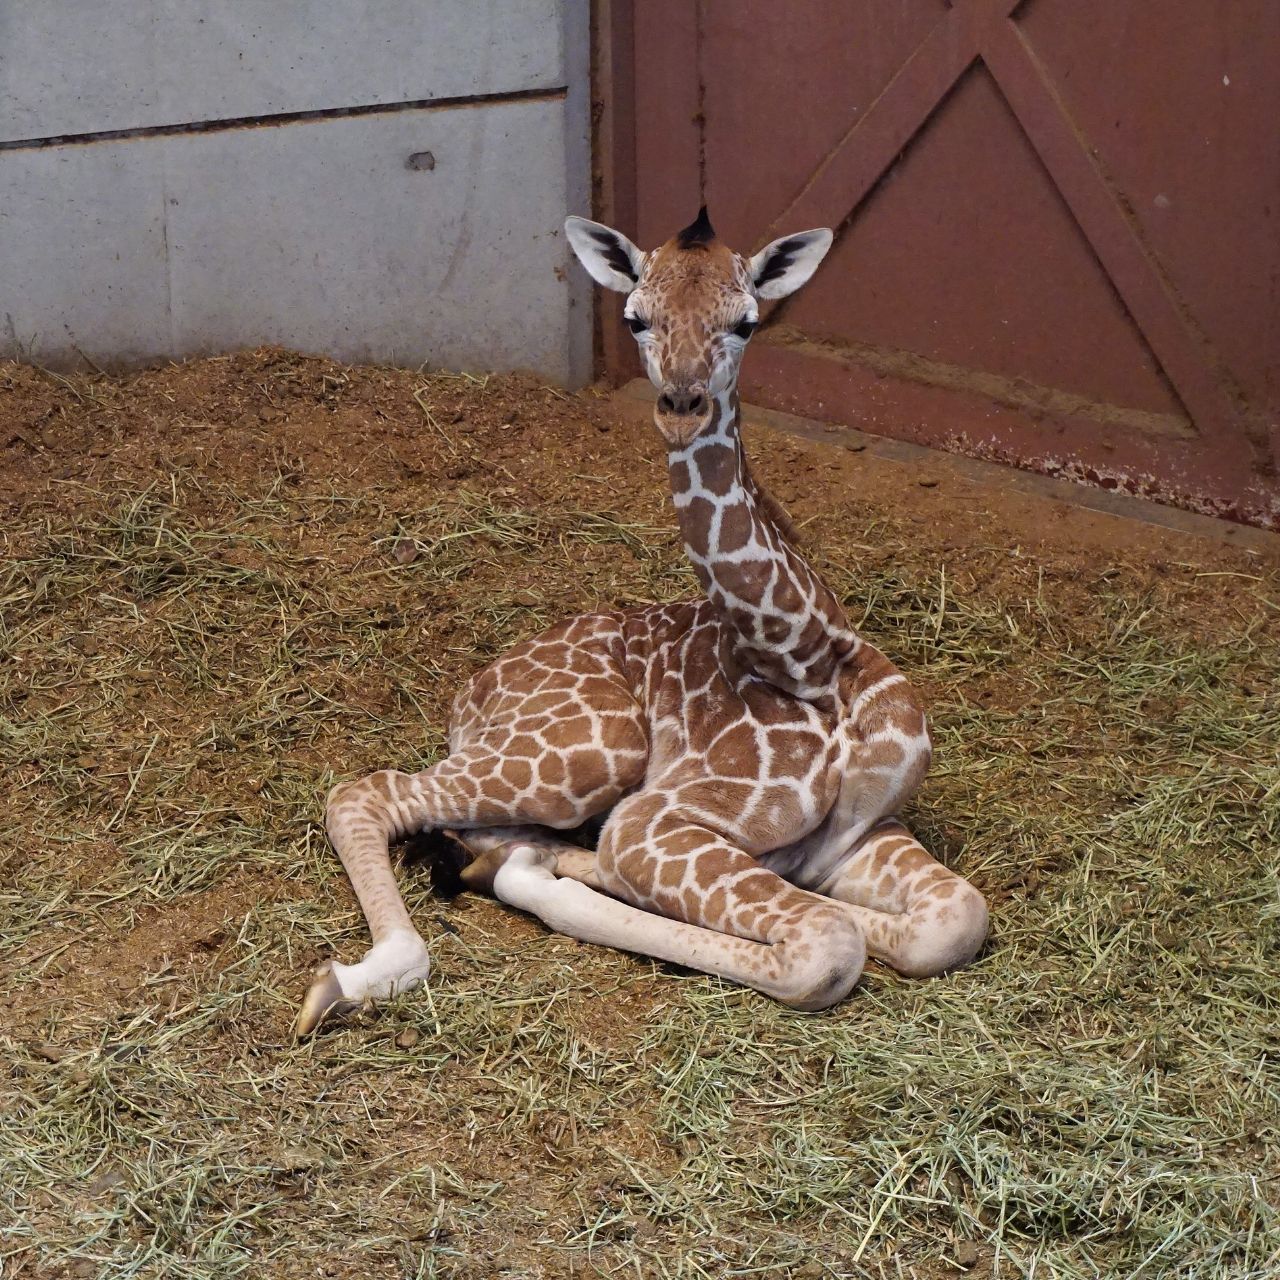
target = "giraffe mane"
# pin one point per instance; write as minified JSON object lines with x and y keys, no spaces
{"x":772,"y":508}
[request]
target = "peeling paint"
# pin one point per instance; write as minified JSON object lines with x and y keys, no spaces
{"x":1261,"y":510}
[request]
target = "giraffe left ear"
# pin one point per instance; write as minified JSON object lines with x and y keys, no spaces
{"x":608,"y":255}
{"x":783,"y":266}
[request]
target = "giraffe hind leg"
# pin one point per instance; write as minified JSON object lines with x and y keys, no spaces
{"x":478,"y":786}
{"x":550,"y":734}
{"x":400,"y":962}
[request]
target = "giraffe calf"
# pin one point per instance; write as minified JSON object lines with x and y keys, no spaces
{"x":747,"y":750}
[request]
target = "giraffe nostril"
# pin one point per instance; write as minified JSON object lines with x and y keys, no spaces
{"x":683,"y":401}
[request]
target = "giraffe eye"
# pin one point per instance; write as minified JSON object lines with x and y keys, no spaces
{"x":635,"y":324}
{"x":745,"y":329}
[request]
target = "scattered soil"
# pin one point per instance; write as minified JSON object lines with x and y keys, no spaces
{"x":232,"y":581}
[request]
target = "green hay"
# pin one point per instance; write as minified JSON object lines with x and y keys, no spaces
{"x":186,"y":667}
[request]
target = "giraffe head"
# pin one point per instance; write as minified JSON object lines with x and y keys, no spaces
{"x":693,"y":305}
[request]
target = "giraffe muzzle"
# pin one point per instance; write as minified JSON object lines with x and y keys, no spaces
{"x":679,"y":402}
{"x":682,"y":413}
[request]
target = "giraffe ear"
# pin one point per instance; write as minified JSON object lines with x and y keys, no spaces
{"x":608,"y":255}
{"x":783,"y":266}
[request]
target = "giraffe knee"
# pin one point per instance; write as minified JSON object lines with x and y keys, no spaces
{"x":946,"y":937}
{"x":821,"y":972}
{"x":337,"y":793}
{"x":371,"y":793}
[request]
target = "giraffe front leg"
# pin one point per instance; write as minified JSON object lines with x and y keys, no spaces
{"x":684,"y":894}
{"x":918,"y":917}
{"x":490,"y":848}
{"x":789,"y":943}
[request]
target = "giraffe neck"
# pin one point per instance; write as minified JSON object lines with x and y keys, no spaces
{"x":785,"y":624}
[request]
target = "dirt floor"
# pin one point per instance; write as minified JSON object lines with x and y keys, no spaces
{"x":228,"y":583}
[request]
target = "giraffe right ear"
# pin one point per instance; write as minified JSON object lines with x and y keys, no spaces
{"x":608,"y":255}
{"x":782,"y":267}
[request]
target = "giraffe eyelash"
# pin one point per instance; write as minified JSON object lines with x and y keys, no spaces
{"x":635,"y":324}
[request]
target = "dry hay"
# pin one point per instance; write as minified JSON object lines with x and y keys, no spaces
{"x":229,"y":582}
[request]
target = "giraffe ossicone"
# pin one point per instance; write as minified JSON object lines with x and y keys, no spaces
{"x":748,"y":751}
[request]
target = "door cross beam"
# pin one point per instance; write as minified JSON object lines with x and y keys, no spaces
{"x":986,"y":31}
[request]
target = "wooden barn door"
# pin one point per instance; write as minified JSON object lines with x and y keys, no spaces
{"x":1058,"y":221}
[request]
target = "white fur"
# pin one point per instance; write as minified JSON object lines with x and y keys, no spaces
{"x":804,"y":262}
{"x":398,"y":963}
{"x":582,"y":233}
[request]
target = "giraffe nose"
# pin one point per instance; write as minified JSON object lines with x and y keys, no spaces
{"x":687,"y":401}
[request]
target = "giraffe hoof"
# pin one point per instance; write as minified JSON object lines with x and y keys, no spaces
{"x":480,"y":874}
{"x":325,"y":999}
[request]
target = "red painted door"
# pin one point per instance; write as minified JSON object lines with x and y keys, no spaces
{"x":1058,"y":221}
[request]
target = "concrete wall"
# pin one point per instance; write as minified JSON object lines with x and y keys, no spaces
{"x":378,"y":180}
